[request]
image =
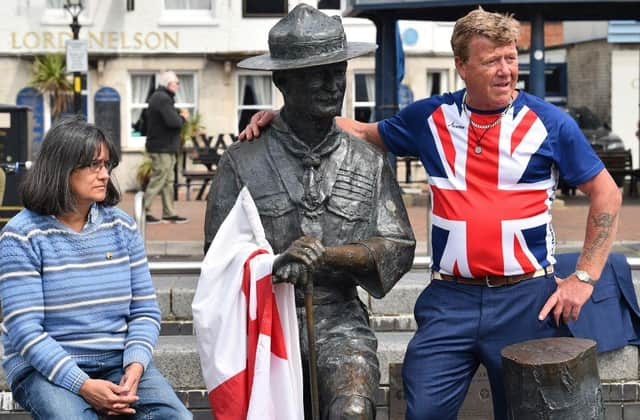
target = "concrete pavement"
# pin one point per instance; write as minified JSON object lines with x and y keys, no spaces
{"x":569,"y":219}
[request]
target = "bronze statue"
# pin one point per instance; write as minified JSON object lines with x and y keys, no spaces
{"x":329,"y":204}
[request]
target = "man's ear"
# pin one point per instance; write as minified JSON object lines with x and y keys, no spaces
{"x":460,"y":67}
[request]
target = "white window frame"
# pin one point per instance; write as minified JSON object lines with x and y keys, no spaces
{"x":239,"y":107}
{"x":139,"y":141}
{"x":362,"y":104}
{"x":60,"y":17}
{"x":444,"y":80}
{"x":193,"y":108}
{"x":196,"y":17}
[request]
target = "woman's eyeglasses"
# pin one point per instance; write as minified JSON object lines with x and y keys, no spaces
{"x":96,"y":165}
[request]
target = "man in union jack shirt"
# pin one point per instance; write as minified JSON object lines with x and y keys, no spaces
{"x":494,"y":155}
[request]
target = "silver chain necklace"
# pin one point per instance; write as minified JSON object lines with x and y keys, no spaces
{"x":485,"y":127}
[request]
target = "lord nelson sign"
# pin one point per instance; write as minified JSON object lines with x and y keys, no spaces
{"x":117,"y":41}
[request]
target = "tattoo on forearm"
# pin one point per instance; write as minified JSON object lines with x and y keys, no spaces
{"x":602,"y":224}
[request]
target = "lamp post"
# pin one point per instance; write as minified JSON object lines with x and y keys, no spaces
{"x":74,"y":7}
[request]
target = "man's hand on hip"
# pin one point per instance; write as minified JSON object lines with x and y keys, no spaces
{"x":567,"y":300}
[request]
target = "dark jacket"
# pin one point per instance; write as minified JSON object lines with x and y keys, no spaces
{"x":611,"y":317}
{"x":163,"y":123}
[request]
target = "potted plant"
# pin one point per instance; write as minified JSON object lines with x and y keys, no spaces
{"x":191,"y":128}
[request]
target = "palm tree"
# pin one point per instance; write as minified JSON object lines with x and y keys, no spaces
{"x":49,"y":77}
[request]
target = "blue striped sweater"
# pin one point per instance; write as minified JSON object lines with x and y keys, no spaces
{"x":70,"y":298}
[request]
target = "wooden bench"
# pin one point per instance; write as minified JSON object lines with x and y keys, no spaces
{"x":619,"y":165}
{"x":206,"y":154}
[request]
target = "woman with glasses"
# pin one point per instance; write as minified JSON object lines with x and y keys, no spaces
{"x":80,"y":317}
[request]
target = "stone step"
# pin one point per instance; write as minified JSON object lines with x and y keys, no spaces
{"x":393,"y":312}
{"x":178,"y":359}
{"x":379,"y":323}
{"x":175,"y":294}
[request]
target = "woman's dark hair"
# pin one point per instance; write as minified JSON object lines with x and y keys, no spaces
{"x":70,"y":144}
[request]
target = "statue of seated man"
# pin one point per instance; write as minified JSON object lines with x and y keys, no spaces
{"x":329,"y":204}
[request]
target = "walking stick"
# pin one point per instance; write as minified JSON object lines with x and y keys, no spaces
{"x":311,"y":337}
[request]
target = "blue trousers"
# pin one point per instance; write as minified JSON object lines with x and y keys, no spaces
{"x":46,"y":401}
{"x":461,"y":326}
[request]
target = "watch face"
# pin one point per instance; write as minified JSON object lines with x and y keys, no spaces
{"x":584,"y":277}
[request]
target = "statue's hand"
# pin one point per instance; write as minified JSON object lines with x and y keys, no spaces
{"x":296,"y":264}
{"x":258,"y":121}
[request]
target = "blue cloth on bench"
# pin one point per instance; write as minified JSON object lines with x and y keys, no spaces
{"x":611,"y":315}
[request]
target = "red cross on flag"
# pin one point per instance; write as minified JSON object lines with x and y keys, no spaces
{"x":246,"y":328}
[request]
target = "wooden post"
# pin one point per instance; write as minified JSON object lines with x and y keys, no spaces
{"x":552,"y":379}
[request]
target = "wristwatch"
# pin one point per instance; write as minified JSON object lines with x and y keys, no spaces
{"x":584,"y":277}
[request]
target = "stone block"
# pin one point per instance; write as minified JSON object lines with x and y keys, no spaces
{"x":177,"y":358}
{"x":613,"y":411}
{"x":156,"y":248}
{"x":184,"y":248}
{"x":176,"y":328}
{"x":402,"y":297}
{"x":617,"y":365}
{"x":391,"y":349}
{"x":164,"y":301}
{"x":181,"y":298}
{"x":631,"y":411}
{"x":402,"y":322}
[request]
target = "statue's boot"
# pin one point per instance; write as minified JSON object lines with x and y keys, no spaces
{"x":352,"y":407}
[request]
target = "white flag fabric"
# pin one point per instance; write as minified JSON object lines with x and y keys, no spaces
{"x":246,"y":328}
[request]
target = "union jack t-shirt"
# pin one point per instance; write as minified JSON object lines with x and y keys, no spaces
{"x":491,"y":212}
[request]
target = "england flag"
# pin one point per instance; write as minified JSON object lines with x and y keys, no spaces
{"x":246,"y":328}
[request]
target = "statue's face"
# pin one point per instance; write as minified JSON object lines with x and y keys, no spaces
{"x":318,"y":90}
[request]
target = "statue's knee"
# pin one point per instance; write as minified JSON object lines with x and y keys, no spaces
{"x":353,"y":407}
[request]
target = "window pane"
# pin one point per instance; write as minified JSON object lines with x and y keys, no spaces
{"x":329,"y":4}
{"x":255,"y":90}
{"x":254,"y":94}
{"x":187,"y":91}
{"x":433,"y":83}
{"x":265,"y":7}
{"x":175,"y":4}
{"x":365,"y":87}
{"x":200,"y":4}
{"x":437,"y":82}
{"x":188,"y":4}
{"x":364,"y":113}
{"x":142,"y":86}
{"x":55,"y":4}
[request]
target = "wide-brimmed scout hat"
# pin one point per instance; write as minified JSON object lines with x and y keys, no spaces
{"x":306,"y":37}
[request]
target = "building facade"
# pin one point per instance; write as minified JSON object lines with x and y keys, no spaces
{"x":202,"y":41}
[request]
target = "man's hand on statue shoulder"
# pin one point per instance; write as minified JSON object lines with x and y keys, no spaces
{"x":259,"y":120}
{"x":567,"y":300}
{"x":298,"y":262}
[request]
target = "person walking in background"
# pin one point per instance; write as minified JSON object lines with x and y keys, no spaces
{"x":493,"y":155}
{"x":164,"y":124}
{"x":80,"y":316}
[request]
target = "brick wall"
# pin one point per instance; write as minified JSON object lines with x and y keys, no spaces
{"x":553,"y":34}
{"x":589,"y":77}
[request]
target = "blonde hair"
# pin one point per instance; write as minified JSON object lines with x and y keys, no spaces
{"x":502,"y":29}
